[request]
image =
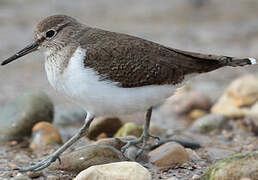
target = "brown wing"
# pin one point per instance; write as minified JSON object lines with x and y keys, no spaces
{"x":135,"y":62}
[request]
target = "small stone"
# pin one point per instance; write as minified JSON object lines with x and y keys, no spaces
{"x":66,"y":116}
{"x":216,"y":154}
{"x":53,"y":177}
{"x":192,"y":154}
{"x":20,"y":176}
{"x":107,"y":125}
{"x":210,"y":122}
{"x":172,"y":178}
{"x":184,"y":103}
{"x":196,"y":114}
{"x":129,"y":129}
{"x":195,"y":177}
{"x":114,"y":142}
{"x":101,"y":136}
{"x":18,"y":117}
{"x":170,"y":154}
{"x":115,"y":171}
{"x":34,"y":174}
{"x":238,"y":99}
{"x":87,"y":156}
{"x":44,"y":134}
{"x":243,"y":165}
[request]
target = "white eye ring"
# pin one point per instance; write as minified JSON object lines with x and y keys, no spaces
{"x":50,"y":33}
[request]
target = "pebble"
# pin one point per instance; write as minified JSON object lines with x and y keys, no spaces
{"x":53,"y":177}
{"x":170,"y":154}
{"x":192,"y":154}
{"x":243,"y":165}
{"x":115,"y":171}
{"x":87,"y":156}
{"x":196,"y":114}
{"x":195,"y":177}
{"x":19,"y":116}
{"x":184,"y":103}
{"x":44,"y":134}
{"x":20,"y":176}
{"x":107,"y":125}
{"x":238,"y":99}
{"x":34,"y":174}
{"x":66,"y":115}
{"x":129,"y":129}
{"x":216,"y":154}
{"x":210,"y":122}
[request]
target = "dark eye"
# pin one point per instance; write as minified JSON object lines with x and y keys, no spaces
{"x":50,"y":33}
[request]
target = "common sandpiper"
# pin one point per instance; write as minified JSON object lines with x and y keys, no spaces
{"x":109,"y":73}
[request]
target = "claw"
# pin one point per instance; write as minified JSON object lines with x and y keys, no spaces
{"x":40,"y":165}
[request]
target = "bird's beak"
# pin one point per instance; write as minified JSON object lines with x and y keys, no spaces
{"x":28,"y":49}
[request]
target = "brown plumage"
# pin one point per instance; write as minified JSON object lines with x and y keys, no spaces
{"x":135,"y":62}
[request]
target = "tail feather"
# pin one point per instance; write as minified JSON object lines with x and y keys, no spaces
{"x":239,"y":62}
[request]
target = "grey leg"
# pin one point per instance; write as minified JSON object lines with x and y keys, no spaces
{"x":45,"y":163}
{"x":144,"y":137}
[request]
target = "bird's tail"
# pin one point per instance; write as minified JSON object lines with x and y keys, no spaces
{"x":234,"y":62}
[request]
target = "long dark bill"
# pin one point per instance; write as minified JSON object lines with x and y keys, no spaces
{"x":28,"y":49}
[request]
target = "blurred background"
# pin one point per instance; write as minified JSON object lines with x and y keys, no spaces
{"x":208,"y":26}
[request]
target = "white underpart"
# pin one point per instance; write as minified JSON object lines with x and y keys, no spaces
{"x":253,"y":60}
{"x":82,"y":85}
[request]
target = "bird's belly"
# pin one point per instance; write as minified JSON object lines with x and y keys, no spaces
{"x":103,"y":98}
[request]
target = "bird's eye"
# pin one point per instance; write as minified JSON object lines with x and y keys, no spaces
{"x":50,"y":33}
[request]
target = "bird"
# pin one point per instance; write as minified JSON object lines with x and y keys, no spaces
{"x":110,"y":73}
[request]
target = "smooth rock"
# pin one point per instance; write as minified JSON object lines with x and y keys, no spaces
{"x":19,"y":116}
{"x":210,"y":122}
{"x":129,"y":129}
{"x":66,"y":115}
{"x":196,"y":114}
{"x":216,"y":154}
{"x":87,"y":156}
{"x":107,"y":125}
{"x":244,"y":165}
{"x":184,"y":103}
{"x":115,"y":171}
{"x":44,"y":134}
{"x":192,"y":154}
{"x":170,"y":154}
{"x":238,"y":99}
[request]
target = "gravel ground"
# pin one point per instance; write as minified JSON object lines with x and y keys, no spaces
{"x":219,"y":27}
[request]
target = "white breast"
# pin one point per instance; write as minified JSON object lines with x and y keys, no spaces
{"x":82,"y":85}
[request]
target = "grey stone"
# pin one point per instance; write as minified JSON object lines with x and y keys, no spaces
{"x":87,"y":156}
{"x":66,"y":116}
{"x":19,"y":116}
{"x":210,"y":122}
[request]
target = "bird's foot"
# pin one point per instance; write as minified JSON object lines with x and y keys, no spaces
{"x":39,"y":165}
{"x":143,"y":139}
{"x":185,"y":143}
